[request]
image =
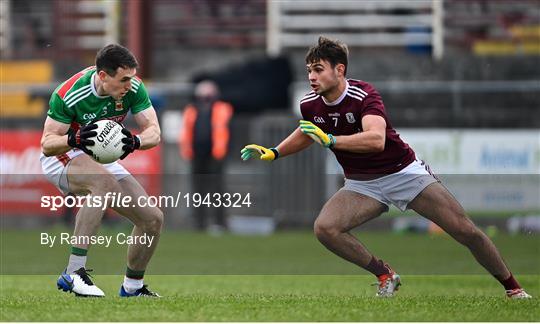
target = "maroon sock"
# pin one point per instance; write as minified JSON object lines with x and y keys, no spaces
{"x":510,"y":283}
{"x":377,"y":267}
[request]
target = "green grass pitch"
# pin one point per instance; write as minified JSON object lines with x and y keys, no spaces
{"x":284,"y":277}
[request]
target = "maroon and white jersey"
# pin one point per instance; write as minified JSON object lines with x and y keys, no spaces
{"x":344,"y":117}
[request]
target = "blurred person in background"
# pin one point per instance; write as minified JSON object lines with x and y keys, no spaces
{"x":108,"y":90}
{"x":204,"y":141}
{"x":348,"y":117}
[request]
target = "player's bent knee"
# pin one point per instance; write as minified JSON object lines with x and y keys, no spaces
{"x":154,"y":222}
{"x":325,"y":230}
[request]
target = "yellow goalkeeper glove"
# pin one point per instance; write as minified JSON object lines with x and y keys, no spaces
{"x":261,"y":152}
{"x":308,"y":128}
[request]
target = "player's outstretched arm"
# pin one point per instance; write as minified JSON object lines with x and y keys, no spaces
{"x":316,"y":134}
{"x":290,"y":145}
{"x":150,"y":135}
{"x":371,"y":139}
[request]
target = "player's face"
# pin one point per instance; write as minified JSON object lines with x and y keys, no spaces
{"x":323,"y":79}
{"x":117,"y":86}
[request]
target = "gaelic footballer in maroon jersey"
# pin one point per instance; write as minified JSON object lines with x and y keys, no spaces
{"x":344,"y":117}
{"x":348,"y":117}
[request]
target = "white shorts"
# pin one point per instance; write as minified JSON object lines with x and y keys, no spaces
{"x":55,"y":169}
{"x":399,"y":188}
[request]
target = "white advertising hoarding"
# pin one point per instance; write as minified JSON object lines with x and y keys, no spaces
{"x":487,"y":170}
{"x":477,"y":151}
{"x":490,"y":170}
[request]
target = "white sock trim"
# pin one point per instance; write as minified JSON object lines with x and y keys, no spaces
{"x":131,"y":285}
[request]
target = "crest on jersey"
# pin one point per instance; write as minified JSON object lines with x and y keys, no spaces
{"x":318,"y":120}
{"x":350,"y":118}
{"x":118,"y":106}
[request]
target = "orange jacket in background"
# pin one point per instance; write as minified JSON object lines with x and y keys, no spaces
{"x":220,"y":116}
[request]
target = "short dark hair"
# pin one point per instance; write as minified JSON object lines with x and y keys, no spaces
{"x":333,"y":51}
{"x":113,"y":56}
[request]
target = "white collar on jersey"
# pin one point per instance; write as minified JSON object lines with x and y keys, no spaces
{"x":341,"y":97}
{"x":93,"y":86}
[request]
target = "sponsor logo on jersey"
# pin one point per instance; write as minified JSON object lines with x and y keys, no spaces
{"x":350,"y":118}
{"x":119,"y":119}
{"x":336,"y":114}
{"x":318,"y":120}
